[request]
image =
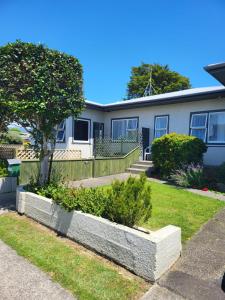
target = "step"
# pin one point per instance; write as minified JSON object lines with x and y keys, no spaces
{"x":145,"y":162}
{"x":135,"y":170}
{"x":140,"y":166}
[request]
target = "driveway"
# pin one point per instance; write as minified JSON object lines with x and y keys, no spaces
{"x":198,"y":275}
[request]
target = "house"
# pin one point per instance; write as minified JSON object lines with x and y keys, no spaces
{"x":198,"y":111}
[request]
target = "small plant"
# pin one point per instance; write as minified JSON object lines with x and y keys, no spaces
{"x":129,"y":202}
{"x":189,"y":176}
{"x":3,"y":169}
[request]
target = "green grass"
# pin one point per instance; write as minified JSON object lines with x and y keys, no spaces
{"x":85,"y":275}
{"x":178,"y":207}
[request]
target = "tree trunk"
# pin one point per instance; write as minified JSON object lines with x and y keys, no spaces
{"x":44,"y":163}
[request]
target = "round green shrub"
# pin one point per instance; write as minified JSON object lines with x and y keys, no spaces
{"x":171,"y":151}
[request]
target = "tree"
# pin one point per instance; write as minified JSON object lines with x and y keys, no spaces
{"x":163,"y":80}
{"x":42,"y":87}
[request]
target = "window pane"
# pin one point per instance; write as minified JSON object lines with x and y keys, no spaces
{"x":61,"y":132}
{"x":132,"y":124}
{"x":161,"y":122}
{"x":119,"y":129}
{"x":81,"y":130}
{"x":216,"y":127}
{"x":198,"y":120}
{"x":60,"y":136}
{"x":199,"y":133}
{"x":159,"y":133}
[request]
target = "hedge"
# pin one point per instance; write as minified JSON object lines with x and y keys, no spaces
{"x":171,"y":151}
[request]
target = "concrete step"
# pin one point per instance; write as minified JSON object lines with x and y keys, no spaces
{"x":135,"y":170}
{"x":148,"y":163}
{"x":140,"y":166}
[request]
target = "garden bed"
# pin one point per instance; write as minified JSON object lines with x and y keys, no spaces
{"x":147,"y":255}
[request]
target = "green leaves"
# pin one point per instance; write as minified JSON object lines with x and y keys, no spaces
{"x":163,"y":80}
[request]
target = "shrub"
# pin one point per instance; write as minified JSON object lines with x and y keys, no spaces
{"x":3,"y":169}
{"x":221,"y":173}
{"x":172,"y":151}
{"x":129,"y":202}
{"x":87,"y":200}
{"x":190,"y":176}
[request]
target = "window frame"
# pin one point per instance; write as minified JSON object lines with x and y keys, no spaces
{"x":167,"y":125}
{"x":64,"y":137}
{"x":89,"y":131}
{"x":125,"y":118}
{"x":207,"y":126}
{"x":199,"y":127}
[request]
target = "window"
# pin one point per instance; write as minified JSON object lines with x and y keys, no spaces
{"x":199,"y":126}
{"x":61,"y":132}
{"x":209,"y":126}
{"x":81,"y":130}
{"x":161,"y":125}
{"x":216,"y":128}
{"x":125,"y":129}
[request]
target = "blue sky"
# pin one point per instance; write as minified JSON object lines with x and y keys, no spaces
{"x":111,"y":36}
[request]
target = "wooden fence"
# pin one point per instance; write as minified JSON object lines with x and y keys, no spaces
{"x":59,"y":154}
{"x":71,"y":170}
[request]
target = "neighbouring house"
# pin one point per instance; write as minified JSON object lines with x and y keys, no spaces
{"x":198,"y":111}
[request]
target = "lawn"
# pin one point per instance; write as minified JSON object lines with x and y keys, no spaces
{"x":85,"y":274}
{"x":175,"y":206}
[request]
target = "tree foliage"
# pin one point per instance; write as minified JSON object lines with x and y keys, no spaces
{"x":164,"y":80}
{"x":42,"y":87}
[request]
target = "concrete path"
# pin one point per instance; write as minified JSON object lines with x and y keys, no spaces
{"x":99,"y":181}
{"x":20,"y":280}
{"x":198,"y":275}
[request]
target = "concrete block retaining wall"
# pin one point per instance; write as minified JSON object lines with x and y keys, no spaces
{"x":147,"y":255}
{"x":8,"y":184}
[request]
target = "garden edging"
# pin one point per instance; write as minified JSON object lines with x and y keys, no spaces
{"x":147,"y":255}
{"x":8,"y":184}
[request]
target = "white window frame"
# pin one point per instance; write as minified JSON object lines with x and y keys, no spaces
{"x":213,"y":142}
{"x":89,"y":131}
{"x":163,"y":128}
{"x":64,"y":132}
{"x":199,"y":127}
{"x":125,"y":119}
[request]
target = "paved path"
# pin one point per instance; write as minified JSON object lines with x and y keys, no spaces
{"x":99,"y":181}
{"x":19,"y":279}
{"x":198,"y":274}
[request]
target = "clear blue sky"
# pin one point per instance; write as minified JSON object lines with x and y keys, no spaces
{"x":111,"y":36}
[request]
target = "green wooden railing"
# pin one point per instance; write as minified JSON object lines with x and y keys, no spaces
{"x":83,"y":168}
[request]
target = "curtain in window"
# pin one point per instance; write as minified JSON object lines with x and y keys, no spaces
{"x":124,"y":129}
{"x":61,"y":132}
{"x":199,"y":126}
{"x":161,"y":126}
{"x":216,"y":131}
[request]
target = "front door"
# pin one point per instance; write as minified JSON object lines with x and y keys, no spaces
{"x":145,"y":140}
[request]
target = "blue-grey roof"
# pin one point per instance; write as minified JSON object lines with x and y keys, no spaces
{"x":188,"y":95}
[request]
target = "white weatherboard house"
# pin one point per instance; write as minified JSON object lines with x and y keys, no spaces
{"x":199,"y":112}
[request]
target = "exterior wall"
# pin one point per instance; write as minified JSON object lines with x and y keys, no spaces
{"x":85,"y":147}
{"x":179,"y":120}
